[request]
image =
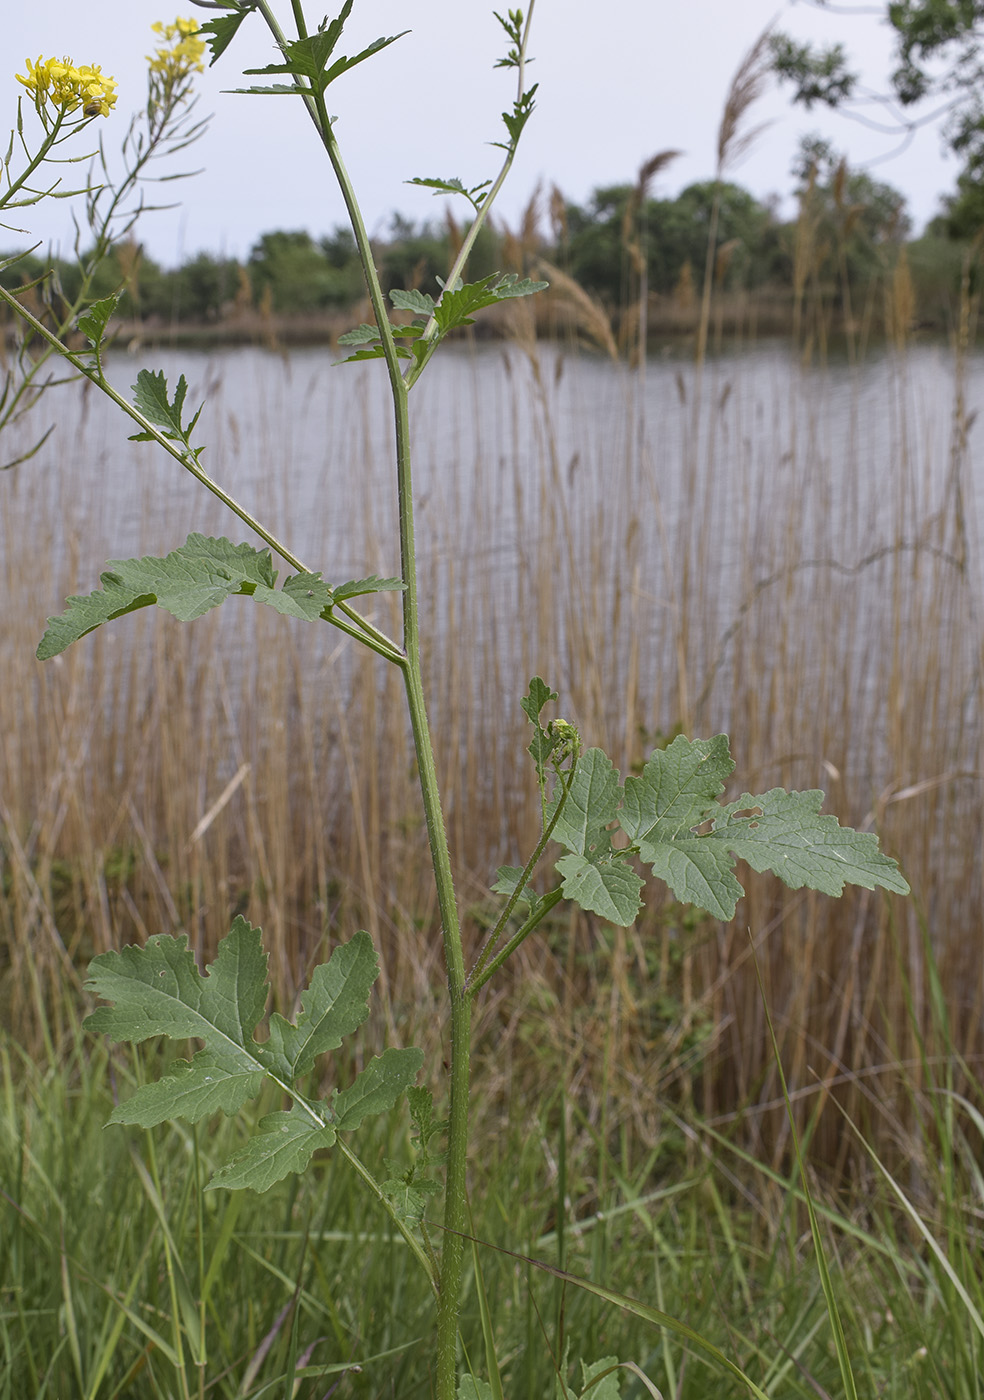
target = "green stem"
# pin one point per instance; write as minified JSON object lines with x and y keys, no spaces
{"x":363,"y":631}
{"x":49,"y":142}
{"x":477,"y":981}
{"x":370,"y":1181}
{"x":416,"y":369}
{"x":455,"y":1208}
{"x":475,"y":978}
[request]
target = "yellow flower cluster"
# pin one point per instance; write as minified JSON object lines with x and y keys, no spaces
{"x":181,"y":53}
{"x":59,"y":82}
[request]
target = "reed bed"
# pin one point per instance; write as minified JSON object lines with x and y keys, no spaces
{"x":787,"y":554}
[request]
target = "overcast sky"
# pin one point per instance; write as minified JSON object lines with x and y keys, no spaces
{"x":619,"y":81}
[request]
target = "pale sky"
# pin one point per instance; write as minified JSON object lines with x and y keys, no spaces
{"x":619,"y":81}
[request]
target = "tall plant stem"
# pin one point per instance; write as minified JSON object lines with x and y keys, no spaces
{"x":455,"y":1208}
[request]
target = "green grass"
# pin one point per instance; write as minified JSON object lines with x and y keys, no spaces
{"x":120,"y":1278}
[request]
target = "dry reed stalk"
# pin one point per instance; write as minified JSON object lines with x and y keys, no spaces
{"x":838,"y":647}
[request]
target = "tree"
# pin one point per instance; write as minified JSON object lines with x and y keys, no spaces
{"x":939,"y":54}
{"x":299,"y":274}
{"x":677,"y":232}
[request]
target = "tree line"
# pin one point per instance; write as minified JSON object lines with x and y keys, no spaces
{"x":848,"y":235}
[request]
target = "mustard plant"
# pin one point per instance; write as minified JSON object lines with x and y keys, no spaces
{"x":66,"y":100}
{"x":596,"y":830}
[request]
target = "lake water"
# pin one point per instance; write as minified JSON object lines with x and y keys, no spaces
{"x":861,"y":454}
{"x":797,"y":521}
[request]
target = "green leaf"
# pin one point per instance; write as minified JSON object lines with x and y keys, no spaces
{"x":607,"y":887}
{"x":361,"y":335}
{"x":284,"y":1143}
{"x":591,"y":806}
{"x":357,"y":588}
{"x":413,"y":300}
{"x":420,"y":1101}
{"x":189,"y":581}
{"x":543,"y":743}
{"x":158,"y":990}
{"x":197,"y":576}
{"x":607,"y":1387}
{"x":783,"y":832}
{"x":409,"y":1198}
{"x":335,"y":1004}
{"x":150,"y":398}
{"x":219,"y":33}
{"x":471,"y":1388}
{"x":377,"y":1088}
{"x":512,"y":286}
{"x":515,"y":120}
{"x":210,"y":1083}
{"x":475,"y":195}
{"x":308,"y":57}
{"x":458,"y":303}
{"x":94,"y":320}
{"x":507,"y":880}
{"x":596,"y":876}
{"x":539,"y":695}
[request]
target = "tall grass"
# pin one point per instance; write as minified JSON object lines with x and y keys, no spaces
{"x":789,"y":553}
{"x":810,"y":586}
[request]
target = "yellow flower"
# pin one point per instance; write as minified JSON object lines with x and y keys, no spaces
{"x":59,"y":82}
{"x":181,"y":53}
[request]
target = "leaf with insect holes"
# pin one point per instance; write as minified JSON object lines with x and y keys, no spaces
{"x":194,"y":578}
{"x":677,"y":794}
{"x":158,"y":990}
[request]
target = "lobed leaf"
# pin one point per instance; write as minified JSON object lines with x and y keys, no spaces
{"x":785,"y":832}
{"x":308,"y":57}
{"x":210,"y":1083}
{"x":377,"y":1088}
{"x":472,"y":1388}
{"x":94,"y":320}
{"x":608,"y":887}
{"x":591,"y":806}
{"x":475,"y":195}
{"x":335,"y":1004}
{"x":198,"y":576}
{"x":780,"y":831}
{"x":158,"y":990}
{"x":543,"y":743}
{"x":507,"y":881}
{"x":409,"y":1198}
{"x":219,"y":32}
{"x":150,"y":398}
{"x":284,"y":1143}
